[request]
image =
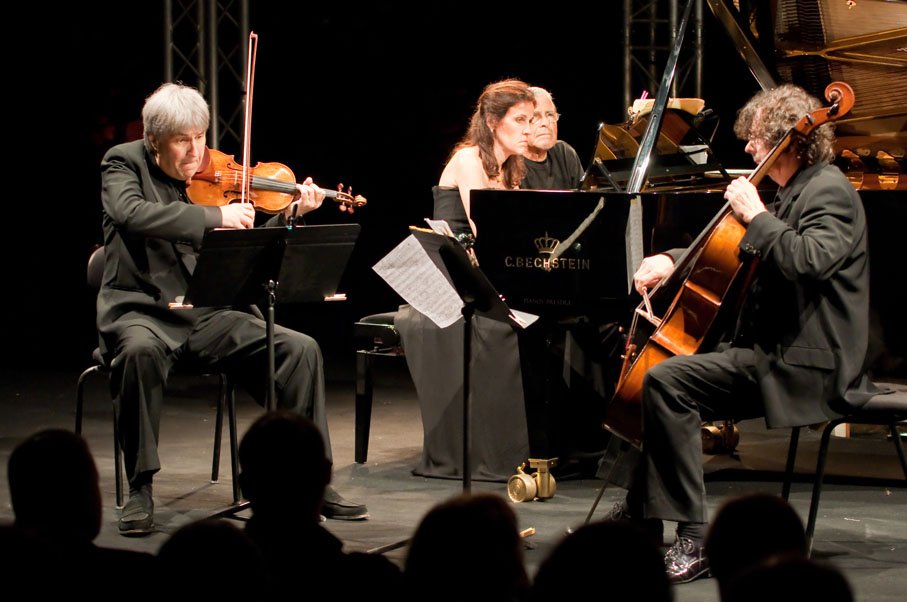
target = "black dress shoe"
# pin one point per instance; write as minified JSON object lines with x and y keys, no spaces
{"x":137,"y":517}
{"x":652,"y":526}
{"x":686,"y":561}
{"x":336,"y":507}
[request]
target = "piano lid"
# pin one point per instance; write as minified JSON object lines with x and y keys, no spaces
{"x":860,"y":42}
{"x":810,"y":43}
{"x":683,"y":155}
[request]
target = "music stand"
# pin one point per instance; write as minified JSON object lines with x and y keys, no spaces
{"x":477,"y":293}
{"x":238,"y":267}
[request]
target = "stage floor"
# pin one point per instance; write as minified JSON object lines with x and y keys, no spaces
{"x":861,"y":529}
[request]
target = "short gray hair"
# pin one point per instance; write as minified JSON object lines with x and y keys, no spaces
{"x":541,"y":93}
{"x":173,"y":108}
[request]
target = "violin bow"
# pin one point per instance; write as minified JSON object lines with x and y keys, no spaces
{"x":246,"y":195}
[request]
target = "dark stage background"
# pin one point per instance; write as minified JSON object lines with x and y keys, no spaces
{"x":374,"y":96}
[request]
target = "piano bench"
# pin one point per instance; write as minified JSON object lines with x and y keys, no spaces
{"x":385,"y":342}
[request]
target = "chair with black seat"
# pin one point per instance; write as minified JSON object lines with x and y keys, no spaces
{"x":226,"y":398}
{"x":886,"y":409}
{"x":385,"y":342}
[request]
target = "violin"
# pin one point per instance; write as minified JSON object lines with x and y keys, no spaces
{"x":272,"y":186}
{"x":717,"y":277}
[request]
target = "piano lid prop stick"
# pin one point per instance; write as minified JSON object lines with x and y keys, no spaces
{"x":563,"y":246}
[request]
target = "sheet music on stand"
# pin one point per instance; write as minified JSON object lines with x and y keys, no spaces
{"x":436,"y":276}
{"x":418,"y":269}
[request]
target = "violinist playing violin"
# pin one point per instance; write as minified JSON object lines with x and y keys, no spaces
{"x":152,"y":234}
{"x":798,"y":347}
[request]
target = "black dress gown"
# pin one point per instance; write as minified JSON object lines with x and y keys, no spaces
{"x":498,"y":426}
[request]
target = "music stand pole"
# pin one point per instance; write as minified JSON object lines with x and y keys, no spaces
{"x":468,"y":311}
{"x":271,"y":402}
{"x":236,"y":265}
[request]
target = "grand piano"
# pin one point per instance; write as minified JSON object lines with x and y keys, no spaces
{"x":571,"y":359}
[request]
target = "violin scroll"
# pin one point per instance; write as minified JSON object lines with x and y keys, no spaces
{"x":346,"y":197}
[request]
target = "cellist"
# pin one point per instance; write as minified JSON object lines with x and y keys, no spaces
{"x":151,"y":237}
{"x":799,"y":345}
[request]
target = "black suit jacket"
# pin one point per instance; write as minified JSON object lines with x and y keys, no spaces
{"x":812,"y":306}
{"x":151,"y":237}
{"x":807,"y":313}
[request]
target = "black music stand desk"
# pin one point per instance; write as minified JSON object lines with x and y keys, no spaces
{"x":244,"y":267}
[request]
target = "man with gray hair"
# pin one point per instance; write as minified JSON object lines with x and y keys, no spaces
{"x":152,"y":235}
{"x":551,"y":164}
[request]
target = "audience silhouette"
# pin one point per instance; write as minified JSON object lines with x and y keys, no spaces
{"x":49,"y":549}
{"x":750,"y":529}
{"x":788,"y":578}
{"x":211,"y":559}
{"x":283,"y":473}
{"x":467,"y":547}
{"x":621,"y":558}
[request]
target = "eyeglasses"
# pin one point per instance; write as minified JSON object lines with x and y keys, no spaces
{"x":546,"y":116}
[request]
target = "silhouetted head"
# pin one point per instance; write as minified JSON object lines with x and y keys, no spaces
{"x":282,"y":460}
{"x":749,"y":529}
{"x":466,"y":546}
{"x":53,"y":484}
{"x":619,"y":556}
{"x":193,"y":560}
{"x":788,"y":578}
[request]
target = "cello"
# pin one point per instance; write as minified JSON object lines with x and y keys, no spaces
{"x":713,"y":278}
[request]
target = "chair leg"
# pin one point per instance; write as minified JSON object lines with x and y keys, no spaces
{"x":791,"y":460}
{"x":117,"y":460}
{"x":218,"y":428}
{"x":364,"y":393}
{"x":234,"y":454}
{"x":817,"y":484}
{"x":896,"y":436}
{"x":80,"y":395}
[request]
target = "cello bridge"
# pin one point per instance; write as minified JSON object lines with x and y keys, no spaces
{"x":650,"y":318}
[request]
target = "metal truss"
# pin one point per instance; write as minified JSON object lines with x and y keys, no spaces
{"x":205,"y":45}
{"x":650,"y":28}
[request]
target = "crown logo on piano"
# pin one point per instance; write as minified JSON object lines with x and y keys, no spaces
{"x":546,"y":244}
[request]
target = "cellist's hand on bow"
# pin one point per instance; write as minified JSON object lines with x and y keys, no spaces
{"x":652,"y":270}
{"x":744,"y":199}
{"x":237,"y":216}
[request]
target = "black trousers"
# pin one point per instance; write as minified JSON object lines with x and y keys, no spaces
{"x":678,"y":394}
{"x":225,"y":341}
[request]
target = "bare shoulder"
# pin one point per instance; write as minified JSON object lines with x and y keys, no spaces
{"x":466,"y":158}
{"x":464,"y":162}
